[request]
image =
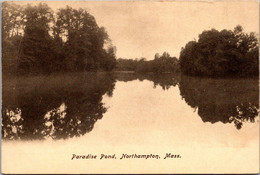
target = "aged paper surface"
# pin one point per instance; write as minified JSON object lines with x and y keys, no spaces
{"x":91,"y":121}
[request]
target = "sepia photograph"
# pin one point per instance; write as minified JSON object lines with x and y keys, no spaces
{"x":130,"y":87}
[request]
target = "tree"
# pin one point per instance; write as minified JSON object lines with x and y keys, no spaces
{"x":12,"y":20}
{"x":221,"y":53}
{"x":108,"y":59}
{"x":36,"y":43}
{"x":84,"y":39}
{"x":37,"y":40}
{"x":12,"y":27}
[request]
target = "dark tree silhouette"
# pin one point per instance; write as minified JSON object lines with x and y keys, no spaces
{"x":159,"y":65}
{"x":221,"y":53}
{"x":37,"y":40}
{"x":36,"y":43}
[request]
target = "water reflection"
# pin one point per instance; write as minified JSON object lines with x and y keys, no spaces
{"x":53,"y":106}
{"x":63,"y":106}
{"x":222,"y":100}
{"x":216,"y":100}
{"x":165,"y":81}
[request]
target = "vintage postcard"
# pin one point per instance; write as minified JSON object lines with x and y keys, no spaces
{"x":130,"y":87}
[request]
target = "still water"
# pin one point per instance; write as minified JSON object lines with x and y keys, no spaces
{"x":211,"y":123}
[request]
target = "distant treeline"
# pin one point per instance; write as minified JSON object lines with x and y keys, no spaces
{"x":215,"y":54}
{"x":160,"y":64}
{"x":221,"y":53}
{"x":36,"y":40}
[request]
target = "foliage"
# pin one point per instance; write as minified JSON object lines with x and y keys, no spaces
{"x":221,"y":53}
{"x":35,"y":39}
{"x":126,"y":64}
{"x":160,"y":64}
{"x":36,"y":42}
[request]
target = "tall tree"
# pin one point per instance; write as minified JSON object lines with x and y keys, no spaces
{"x":84,"y":39}
{"x":12,"y":29}
{"x":36,"y":44}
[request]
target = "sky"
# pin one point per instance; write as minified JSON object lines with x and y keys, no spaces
{"x":144,"y":28}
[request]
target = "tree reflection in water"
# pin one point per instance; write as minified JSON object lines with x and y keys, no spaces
{"x":222,"y":100}
{"x":217,"y":100}
{"x":39,"y":107}
{"x":53,"y":106}
{"x":163,"y":80}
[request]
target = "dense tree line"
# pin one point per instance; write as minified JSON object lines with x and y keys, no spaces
{"x":160,"y":64}
{"x":35,"y":39}
{"x":221,"y":53}
{"x":126,"y":64}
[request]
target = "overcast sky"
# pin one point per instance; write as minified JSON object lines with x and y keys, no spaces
{"x":141,"y":29}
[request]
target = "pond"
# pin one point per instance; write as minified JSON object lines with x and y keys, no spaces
{"x":210,"y":123}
